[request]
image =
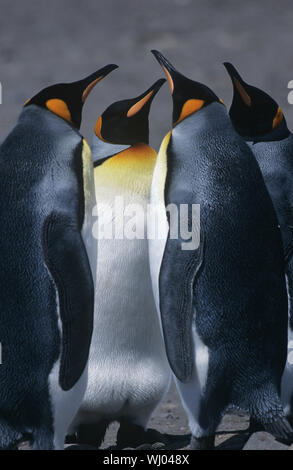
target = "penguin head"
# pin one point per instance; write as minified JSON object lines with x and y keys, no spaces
{"x":253,"y":112}
{"x":66,"y":99}
{"x":126,"y":122}
{"x":188,"y":96}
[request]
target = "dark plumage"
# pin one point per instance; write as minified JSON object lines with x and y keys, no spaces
{"x":273,"y":151}
{"x":224,"y":305}
{"x":47,"y":291}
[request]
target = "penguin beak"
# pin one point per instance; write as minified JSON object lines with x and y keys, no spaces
{"x":168,"y":68}
{"x":232,"y":71}
{"x":239,"y":84}
{"x":156,"y":86}
{"x":88,"y":83}
{"x":145,"y":98}
{"x":66,"y":99}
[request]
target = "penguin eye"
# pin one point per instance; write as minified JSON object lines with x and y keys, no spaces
{"x":139,"y":105}
{"x":242,"y":92}
{"x":60,"y":108}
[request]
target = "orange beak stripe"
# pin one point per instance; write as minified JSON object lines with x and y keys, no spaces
{"x":139,"y":105}
{"x":244,"y":95}
{"x":89,"y":88}
{"x":169,"y":79}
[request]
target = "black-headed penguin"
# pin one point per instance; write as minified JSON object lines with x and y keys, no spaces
{"x":222,"y":294}
{"x":260,"y":121}
{"x":128,"y":369}
{"x":46,"y":283}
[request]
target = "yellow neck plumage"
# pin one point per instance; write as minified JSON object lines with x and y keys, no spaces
{"x":131,"y":169}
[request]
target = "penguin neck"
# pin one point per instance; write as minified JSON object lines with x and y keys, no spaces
{"x":34,"y":115}
{"x":129,"y":170}
{"x":280,"y":133}
{"x":41,"y":129}
{"x":102,"y":150}
{"x":136,"y":155}
{"x":208,"y":119}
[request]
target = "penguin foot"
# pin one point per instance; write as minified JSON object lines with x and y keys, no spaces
{"x":280,"y":429}
{"x":154,"y":437}
{"x":132,"y":435}
{"x":71,"y":439}
{"x":202,"y":443}
{"x":89,"y":434}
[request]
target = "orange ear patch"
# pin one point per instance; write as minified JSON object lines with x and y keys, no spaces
{"x":98,"y":128}
{"x":89,"y":88}
{"x":60,"y":108}
{"x":244,"y":95}
{"x":278,"y":118}
{"x":139,"y":105}
{"x":27,"y":102}
{"x":189,"y":107}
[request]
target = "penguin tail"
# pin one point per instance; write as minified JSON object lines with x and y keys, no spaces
{"x":9,"y":436}
{"x":280,"y":429}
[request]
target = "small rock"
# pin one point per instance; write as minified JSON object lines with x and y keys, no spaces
{"x":24,"y":445}
{"x":80,"y":447}
{"x":144,"y":447}
{"x":158,"y":446}
{"x":263,"y":441}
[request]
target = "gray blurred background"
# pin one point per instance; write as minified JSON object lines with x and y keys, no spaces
{"x":48,"y":41}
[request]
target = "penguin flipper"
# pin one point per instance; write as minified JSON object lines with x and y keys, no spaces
{"x":68,"y":264}
{"x":178,"y":273}
{"x":289,"y":275}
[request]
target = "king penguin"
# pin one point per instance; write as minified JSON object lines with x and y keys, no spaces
{"x":260,"y":121}
{"x":128,"y":368}
{"x":222,"y":302}
{"x":47,"y":286}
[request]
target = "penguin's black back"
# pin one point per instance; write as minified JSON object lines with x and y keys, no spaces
{"x":275,"y":159}
{"x":35,"y":161}
{"x":239,"y":294}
